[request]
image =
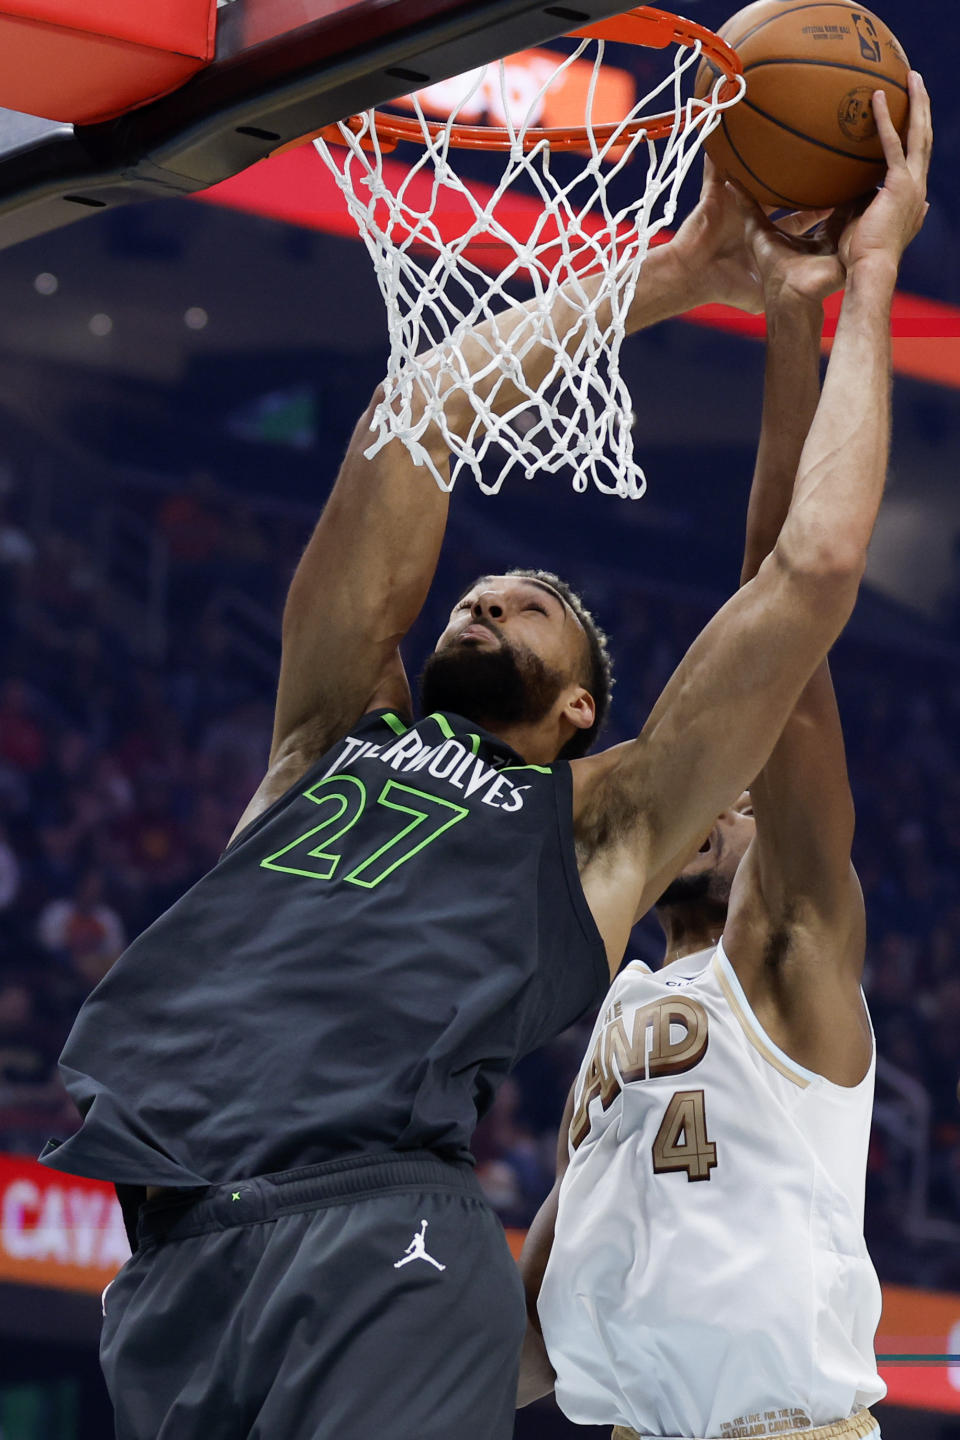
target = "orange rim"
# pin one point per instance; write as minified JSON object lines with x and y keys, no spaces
{"x":655,"y":29}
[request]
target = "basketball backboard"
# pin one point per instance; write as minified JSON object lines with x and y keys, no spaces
{"x":282,"y":69}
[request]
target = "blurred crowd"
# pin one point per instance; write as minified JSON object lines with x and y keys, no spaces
{"x":122,"y":776}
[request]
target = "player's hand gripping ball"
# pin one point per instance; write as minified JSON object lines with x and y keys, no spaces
{"x":804,"y":135}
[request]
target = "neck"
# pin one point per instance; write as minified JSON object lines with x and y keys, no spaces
{"x":530,"y":741}
{"x":690,"y":929}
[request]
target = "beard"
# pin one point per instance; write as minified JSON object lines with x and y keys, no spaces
{"x":708,"y":890}
{"x":687,"y":890}
{"x":506,"y":686}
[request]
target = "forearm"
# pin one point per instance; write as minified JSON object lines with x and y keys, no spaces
{"x":536,"y":1372}
{"x":790,"y":396}
{"x":383,"y":528}
{"x":357,"y":590}
{"x":843,"y":466}
{"x":536,"y":1377}
{"x":665,"y":288}
{"x":801,"y":798}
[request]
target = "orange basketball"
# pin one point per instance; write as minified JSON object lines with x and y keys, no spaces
{"x":804,"y":135}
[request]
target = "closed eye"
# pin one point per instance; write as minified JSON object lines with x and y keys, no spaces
{"x":534,"y":606}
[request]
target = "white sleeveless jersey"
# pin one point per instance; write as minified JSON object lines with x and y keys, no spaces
{"x":709,"y":1275}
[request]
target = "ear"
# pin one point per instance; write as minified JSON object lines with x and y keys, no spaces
{"x":580,"y":708}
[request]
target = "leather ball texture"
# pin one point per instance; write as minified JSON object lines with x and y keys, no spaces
{"x":804,"y":134}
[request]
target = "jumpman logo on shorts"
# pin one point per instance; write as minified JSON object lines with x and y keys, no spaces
{"x":417,"y":1250}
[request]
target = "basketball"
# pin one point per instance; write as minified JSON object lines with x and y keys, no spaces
{"x":804,"y":134}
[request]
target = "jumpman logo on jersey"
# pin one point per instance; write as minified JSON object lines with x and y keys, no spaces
{"x":417,"y":1250}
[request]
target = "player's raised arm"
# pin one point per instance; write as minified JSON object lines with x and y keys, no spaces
{"x":643,"y":807}
{"x":799,"y":861}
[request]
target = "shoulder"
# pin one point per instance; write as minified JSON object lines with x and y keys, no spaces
{"x":801,"y":977}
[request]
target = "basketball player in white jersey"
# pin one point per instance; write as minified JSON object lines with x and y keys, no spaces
{"x":699,"y":1269}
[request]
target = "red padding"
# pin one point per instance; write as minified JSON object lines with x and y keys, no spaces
{"x":296,"y":187}
{"x":85,"y":61}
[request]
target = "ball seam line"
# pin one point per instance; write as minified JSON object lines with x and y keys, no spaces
{"x":820,"y":144}
{"x":881,"y":79}
{"x":794,"y":204}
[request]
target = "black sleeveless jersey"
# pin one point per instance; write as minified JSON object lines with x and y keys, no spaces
{"x":360,"y":970}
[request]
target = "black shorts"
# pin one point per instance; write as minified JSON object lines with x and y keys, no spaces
{"x":369,"y":1297}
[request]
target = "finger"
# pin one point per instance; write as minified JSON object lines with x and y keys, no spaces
{"x":756,"y":227}
{"x":711,"y":176}
{"x":920,"y":129}
{"x":889,"y":139}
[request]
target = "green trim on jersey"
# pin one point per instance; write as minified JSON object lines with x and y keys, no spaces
{"x":435,"y":814}
{"x":421,"y":813}
{"x":347,"y":801}
{"x":446,"y":729}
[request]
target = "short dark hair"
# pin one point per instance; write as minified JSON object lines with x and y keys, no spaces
{"x":599,"y":672}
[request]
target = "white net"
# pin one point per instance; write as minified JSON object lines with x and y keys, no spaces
{"x":545,"y":396}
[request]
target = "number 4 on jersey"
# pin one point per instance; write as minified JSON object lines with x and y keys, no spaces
{"x":681,"y":1142}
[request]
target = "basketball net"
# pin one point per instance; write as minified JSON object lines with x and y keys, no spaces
{"x":438,"y":287}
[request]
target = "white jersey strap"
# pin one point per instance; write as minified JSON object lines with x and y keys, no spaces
{"x":754,"y":1031}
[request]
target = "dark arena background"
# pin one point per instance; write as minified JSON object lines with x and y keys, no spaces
{"x":178,"y":382}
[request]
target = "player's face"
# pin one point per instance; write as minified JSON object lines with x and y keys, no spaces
{"x":511,"y":652}
{"x":512,"y":610}
{"x":726,"y":844}
{"x":708,"y":875}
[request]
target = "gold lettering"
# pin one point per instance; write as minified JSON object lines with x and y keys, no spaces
{"x":682,"y":1143}
{"x":618,"y":1059}
{"x":625,"y":1060}
{"x":672,"y":1058}
{"x":592,"y":1085}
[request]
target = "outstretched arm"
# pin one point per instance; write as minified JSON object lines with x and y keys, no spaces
{"x":642,"y":808}
{"x":801,"y":797}
{"x":795,"y":928}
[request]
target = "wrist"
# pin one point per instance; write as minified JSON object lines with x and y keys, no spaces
{"x":876,"y":272}
{"x":667,"y":287}
{"x":692,"y":266}
{"x":786,"y":310}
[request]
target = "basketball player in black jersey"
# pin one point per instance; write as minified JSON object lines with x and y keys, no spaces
{"x":289,"y":1063}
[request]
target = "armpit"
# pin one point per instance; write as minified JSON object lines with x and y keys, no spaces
{"x":610,"y":819}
